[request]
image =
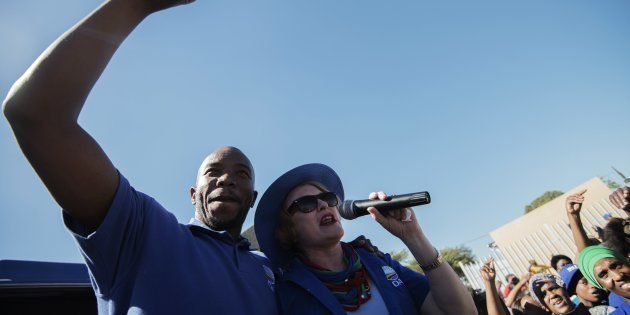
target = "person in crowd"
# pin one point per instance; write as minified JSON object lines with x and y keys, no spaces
{"x":494,"y":302}
{"x":616,"y":233}
{"x":559,"y":261}
{"x":599,"y":230}
{"x":548,"y":291}
{"x":140,"y":259}
{"x":499,"y":284}
{"x":616,"y":236}
{"x":608,"y":270}
{"x":620,"y":198}
{"x":479,"y":298}
{"x":588,"y":295}
{"x":298,"y":227}
{"x":519,"y":295}
{"x":510,"y":281}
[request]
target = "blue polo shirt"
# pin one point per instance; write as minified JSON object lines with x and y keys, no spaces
{"x":142,"y":261}
{"x":619,"y":303}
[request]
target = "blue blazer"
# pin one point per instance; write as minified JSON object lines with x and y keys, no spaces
{"x":403,"y":290}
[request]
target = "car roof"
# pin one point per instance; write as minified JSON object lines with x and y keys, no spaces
{"x":23,"y":272}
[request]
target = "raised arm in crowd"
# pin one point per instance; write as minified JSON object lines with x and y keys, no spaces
{"x":494,"y":303}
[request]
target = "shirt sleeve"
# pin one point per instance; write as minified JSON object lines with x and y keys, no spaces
{"x":110,"y":251}
{"x":416,"y":283}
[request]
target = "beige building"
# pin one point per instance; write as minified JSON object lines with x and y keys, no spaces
{"x":545,"y":231}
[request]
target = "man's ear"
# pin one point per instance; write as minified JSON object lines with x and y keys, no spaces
{"x":192,"y":195}
{"x":254,"y":199}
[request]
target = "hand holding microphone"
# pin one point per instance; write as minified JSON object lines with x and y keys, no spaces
{"x":393,"y":213}
{"x":352,"y":209}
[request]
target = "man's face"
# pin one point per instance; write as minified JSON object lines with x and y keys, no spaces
{"x":224,"y":190}
{"x":613,"y":274}
{"x":589,"y":292}
{"x":556,"y":298}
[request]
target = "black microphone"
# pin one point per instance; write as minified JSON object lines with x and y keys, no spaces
{"x":352,"y":209}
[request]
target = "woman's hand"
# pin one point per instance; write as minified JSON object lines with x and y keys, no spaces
{"x":401,"y":223}
{"x":488,"y":272}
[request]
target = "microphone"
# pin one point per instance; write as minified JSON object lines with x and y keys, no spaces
{"x":352,"y":209}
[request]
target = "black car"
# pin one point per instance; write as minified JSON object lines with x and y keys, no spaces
{"x":33,"y":287}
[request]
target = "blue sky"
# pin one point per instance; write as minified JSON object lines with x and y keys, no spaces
{"x":485,"y":104}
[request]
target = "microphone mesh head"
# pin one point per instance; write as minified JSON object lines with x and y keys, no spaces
{"x":346,"y":210}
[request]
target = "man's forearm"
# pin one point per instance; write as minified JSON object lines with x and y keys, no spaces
{"x":55,"y":87}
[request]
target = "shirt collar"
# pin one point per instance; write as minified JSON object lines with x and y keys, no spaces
{"x":242,"y":242}
{"x":194,"y":221}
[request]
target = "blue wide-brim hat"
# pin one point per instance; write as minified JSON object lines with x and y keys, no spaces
{"x":266,"y":218}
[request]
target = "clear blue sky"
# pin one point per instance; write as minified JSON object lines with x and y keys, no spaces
{"x":486,"y":104}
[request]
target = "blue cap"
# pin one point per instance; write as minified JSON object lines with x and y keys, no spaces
{"x":570,"y":275}
{"x":266,"y":218}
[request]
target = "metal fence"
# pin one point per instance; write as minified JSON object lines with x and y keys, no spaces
{"x":473,"y":276}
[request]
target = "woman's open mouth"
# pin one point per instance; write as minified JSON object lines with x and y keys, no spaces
{"x":327,"y":219}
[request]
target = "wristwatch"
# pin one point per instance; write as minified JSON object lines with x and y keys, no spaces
{"x":434,"y":264}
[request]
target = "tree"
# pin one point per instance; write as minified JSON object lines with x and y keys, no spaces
{"x":414,"y":265}
{"x":400,"y":256}
{"x":543,"y":199}
{"x":403,"y":257}
{"x":452,"y":255}
{"x":610,"y":183}
{"x":455,"y":255}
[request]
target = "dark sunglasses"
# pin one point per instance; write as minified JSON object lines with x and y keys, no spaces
{"x":307,"y":204}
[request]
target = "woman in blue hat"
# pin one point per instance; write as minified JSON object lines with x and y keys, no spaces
{"x":298,"y":227}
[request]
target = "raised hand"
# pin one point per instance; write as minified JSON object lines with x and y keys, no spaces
{"x":574,"y":202}
{"x":401,"y":223}
{"x":488,"y":272}
{"x":525,"y":278}
{"x":620,"y":198}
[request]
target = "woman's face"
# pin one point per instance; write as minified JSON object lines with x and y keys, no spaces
{"x":318,"y":228}
{"x":613,"y":274}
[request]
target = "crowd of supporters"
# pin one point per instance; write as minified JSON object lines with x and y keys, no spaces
{"x":595,"y":282}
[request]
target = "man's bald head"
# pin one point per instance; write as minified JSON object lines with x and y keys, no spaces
{"x":224,"y":190}
{"x":226,"y":153}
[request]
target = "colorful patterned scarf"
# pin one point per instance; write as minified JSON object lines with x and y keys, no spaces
{"x":350,"y":286}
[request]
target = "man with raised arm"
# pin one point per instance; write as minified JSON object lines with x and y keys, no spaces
{"x":141,"y":260}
